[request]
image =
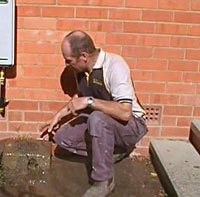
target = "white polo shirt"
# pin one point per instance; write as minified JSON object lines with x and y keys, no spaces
{"x":117,"y":79}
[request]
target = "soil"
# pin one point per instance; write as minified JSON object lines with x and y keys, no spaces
{"x":67,"y":177}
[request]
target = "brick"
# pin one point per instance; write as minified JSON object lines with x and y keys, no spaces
{"x":164,"y":99}
{"x":145,"y":141}
{"x":195,"y":5}
{"x":19,"y":2}
{"x":196,"y":111}
{"x":116,"y":3}
{"x":50,"y":83}
{"x":123,"y":39}
{"x":150,"y":87}
{"x":191,"y":77}
{"x":154,"y":15}
{"x":175,"y":132}
{"x":37,"y":116}
{"x":131,"y":62}
{"x":184,"y":121}
{"x":198,"y":89}
{"x":51,"y":36}
{"x":130,"y":51}
{"x":52,"y":60}
{"x":58,"y":12}
{"x":193,"y":54}
{"x":143,"y":98}
{"x":39,"y":23}
{"x":22,"y":127}
{"x":174,"y":4}
{"x":151,"y":64}
{"x":141,"y":151}
{"x":183,"y":88}
{"x":71,"y":24}
{"x":30,"y":71}
{"x":31,"y":59}
{"x":178,"y":65}
{"x":20,"y":47}
{"x":167,"y":76}
{"x":77,"y":2}
{"x":169,"y":121}
{"x":168,"y":53}
{"x":190,"y":100}
{"x":149,"y":40}
{"x":141,"y":75}
{"x":19,"y":23}
{"x":177,"y":110}
{"x":43,"y":94}
{"x":58,"y":49}
{"x":112,"y":49}
{"x":125,"y":14}
{"x":173,"y":29}
{"x":99,"y":13}
{"x":194,"y":30}
{"x":136,"y":27}
{"x":153,"y":131}
{"x":29,"y":11}
{"x":15,"y":93}
{"x":38,"y":48}
{"x":23,"y":105}
{"x":187,"y":17}
{"x":3,"y":127}
{"x":141,"y":3}
{"x":15,"y":116}
{"x":27,"y":35}
{"x":98,"y":37}
{"x":51,"y":106}
{"x":107,"y":26}
{"x":185,"y":42}
{"x":24,"y":83}
{"x":42,"y":2}
{"x":6,"y":134}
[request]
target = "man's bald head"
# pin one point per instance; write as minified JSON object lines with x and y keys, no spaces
{"x":79,"y":42}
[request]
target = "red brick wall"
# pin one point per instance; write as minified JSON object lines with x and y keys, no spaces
{"x":158,"y":38}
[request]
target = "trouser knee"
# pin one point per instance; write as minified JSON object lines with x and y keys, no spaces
{"x":96,"y":123}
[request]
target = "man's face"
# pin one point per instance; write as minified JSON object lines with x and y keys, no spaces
{"x":77,"y":63}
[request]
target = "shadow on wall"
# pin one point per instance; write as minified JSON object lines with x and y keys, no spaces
{"x":68,"y":82}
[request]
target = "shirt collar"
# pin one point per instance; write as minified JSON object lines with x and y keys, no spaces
{"x":100,"y":60}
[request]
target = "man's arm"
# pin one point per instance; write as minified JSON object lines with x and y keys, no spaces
{"x":58,"y":116}
{"x":120,"y":111}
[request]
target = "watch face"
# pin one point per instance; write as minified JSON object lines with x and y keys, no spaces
{"x":90,"y":101}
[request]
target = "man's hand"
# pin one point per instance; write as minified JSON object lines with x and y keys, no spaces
{"x":49,"y":126}
{"x":76,"y":104}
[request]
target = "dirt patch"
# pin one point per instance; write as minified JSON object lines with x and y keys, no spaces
{"x":68,"y":177}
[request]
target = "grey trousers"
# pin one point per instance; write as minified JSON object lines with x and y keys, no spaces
{"x":104,"y":134}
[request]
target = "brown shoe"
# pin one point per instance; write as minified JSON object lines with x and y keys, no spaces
{"x":100,"y":189}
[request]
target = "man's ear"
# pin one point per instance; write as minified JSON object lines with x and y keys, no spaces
{"x":84,"y":56}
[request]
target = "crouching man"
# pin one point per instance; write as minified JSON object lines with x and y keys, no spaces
{"x":105,"y":108}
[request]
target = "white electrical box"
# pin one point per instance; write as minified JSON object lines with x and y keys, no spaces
{"x":7,"y":32}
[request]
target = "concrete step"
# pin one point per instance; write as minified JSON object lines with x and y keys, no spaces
{"x":195,"y":134}
{"x":177,"y":164}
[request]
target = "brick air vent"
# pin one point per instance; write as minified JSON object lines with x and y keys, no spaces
{"x":153,"y":114}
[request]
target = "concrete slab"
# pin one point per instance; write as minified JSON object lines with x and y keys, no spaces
{"x":178,"y":166}
{"x":195,"y":134}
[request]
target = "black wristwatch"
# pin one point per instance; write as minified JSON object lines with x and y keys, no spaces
{"x":90,"y":101}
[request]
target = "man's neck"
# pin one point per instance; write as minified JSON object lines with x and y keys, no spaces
{"x":93,"y":60}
